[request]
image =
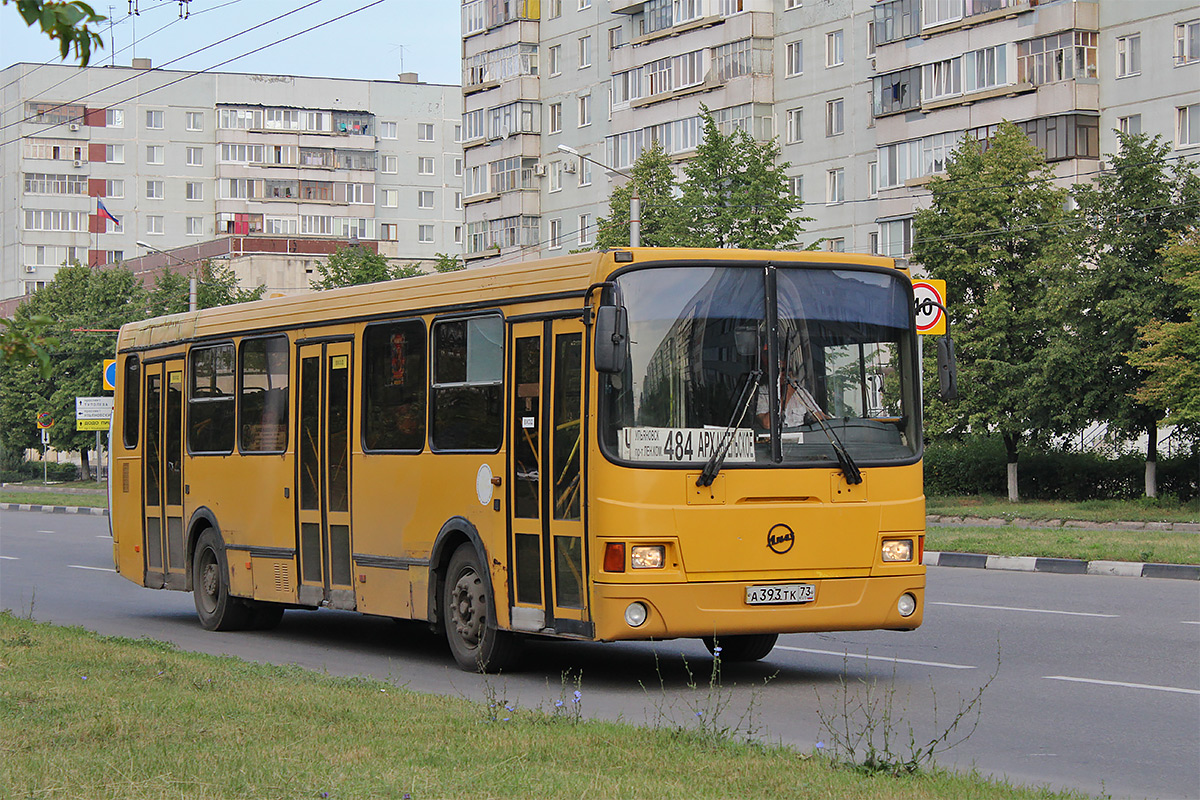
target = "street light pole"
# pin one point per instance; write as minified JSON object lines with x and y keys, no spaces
{"x":635,"y":202}
{"x":191,"y":280}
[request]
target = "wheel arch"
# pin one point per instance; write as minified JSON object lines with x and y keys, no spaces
{"x":455,"y":532}
{"x":202,"y":519}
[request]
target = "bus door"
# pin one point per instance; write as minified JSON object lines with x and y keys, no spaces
{"x":166,"y":558}
{"x":323,"y":474}
{"x":548,"y":589}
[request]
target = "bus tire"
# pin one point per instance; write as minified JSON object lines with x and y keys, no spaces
{"x":217,"y":609}
{"x":744,"y":647}
{"x":469,"y":620}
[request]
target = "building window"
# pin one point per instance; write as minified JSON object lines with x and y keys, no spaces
{"x":194,"y":120}
{"x":941,"y":79}
{"x":425,"y":198}
{"x":794,"y":130}
{"x":795,"y":59}
{"x":553,"y":9}
{"x":1187,"y":42}
{"x":870,"y":38}
{"x":1131,"y":125}
{"x":897,"y":91}
{"x":1062,"y":57}
{"x":555,"y":234}
{"x":389,"y":198}
{"x":556,"y":59}
{"x":194,"y":190}
{"x":114,"y":188}
{"x":938,"y":12}
{"x":387,"y":130}
{"x":195,"y":156}
{"x":458,"y":201}
{"x":556,"y":176}
{"x":425,"y":165}
{"x":458,"y":234}
{"x":895,"y":238}
{"x":154,"y":120}
{"x":796,"y":187}
{"x":155,"y":154}
{"x":585,"y":4}
{"x":1129,"y":55}
{"x":195,"y":226}
{"x":790,"y":4}
{"x":835,"y":117}
{"x":585,"y":229}
{"x":154,"y":223}
{"x":836,"y":245}
{"x":732,"y":60}
{"x":1187,"y":129}
{"x":834,"y":55}
{"x":425,"y":234}
{"x":154,"y":190}
{"x":835,"y":186}
{"x":585,"y":111}
{"x":458,"y":166}
{"x":616,"y":37}
{"x":585,"y":51}
{"x":114,"y":118}
{"x":114,"y":153}
{"x":424,"y":131}
{"x":388,"y":231}
{"x":391,"y":165}
{"x":556,"y":118}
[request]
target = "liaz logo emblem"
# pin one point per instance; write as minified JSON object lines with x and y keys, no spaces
{"x":780,"y":538}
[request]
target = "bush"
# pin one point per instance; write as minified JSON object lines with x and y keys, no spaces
{"x":22,"y":471}
{"x":977,"y":466}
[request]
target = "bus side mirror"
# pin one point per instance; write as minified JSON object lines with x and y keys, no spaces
{"x":612,"y":339}
{"x":947,"y":369}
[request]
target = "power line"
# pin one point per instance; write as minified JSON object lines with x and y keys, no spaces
{"x":188,"y":55}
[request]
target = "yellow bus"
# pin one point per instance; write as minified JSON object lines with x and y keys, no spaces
{"x":633,"y":444}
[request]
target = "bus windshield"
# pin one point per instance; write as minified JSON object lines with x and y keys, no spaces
{"x":702,"y":368}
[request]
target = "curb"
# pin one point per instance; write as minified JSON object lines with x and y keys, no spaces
{"x":1022,"y":522}
{"x":1062,"y":566}
{"x":93,"y":512}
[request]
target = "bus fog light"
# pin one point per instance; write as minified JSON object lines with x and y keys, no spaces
{"x":635,"y":614}
{"x":648,"y":557}
{"x":897,"y":550}
{"x":906,"y":605}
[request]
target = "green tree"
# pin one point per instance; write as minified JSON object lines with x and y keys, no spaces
{"x":83,"y":304}
{"x":65,"y":21}
{"x":736,"y":195}
{"x":448,"y":263}
{"x":1127,"y":216}
{"x":1169,"y":356}
{"x":24,"y":341}
{"x":995,"y":233}
{"x":216,"y":285}
{"x":661,"y":214}
{"x":356,"y":265}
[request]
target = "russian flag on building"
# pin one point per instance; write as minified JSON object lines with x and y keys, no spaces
{"x":104,"y":213}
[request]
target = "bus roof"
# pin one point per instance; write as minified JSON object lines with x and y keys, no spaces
{"x":563,"y":281}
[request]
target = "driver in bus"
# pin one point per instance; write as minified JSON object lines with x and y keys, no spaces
{"x":799,"y":406}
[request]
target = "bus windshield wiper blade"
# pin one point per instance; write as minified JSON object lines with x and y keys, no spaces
{"x":713,"y":465}
{"x":849,"y":468}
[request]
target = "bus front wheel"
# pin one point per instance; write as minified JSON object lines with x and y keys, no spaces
{"x":217,"y":609}
{"x":744,"y":647}
{"x":470,"y":629}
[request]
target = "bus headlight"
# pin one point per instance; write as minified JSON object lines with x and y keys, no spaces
{"x":906,"y":605}
{"x":635,"y":614}
{"x":648,"y":556}
{"x":897,"y":550}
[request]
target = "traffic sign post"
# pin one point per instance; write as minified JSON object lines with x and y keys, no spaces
{"x":930,"y":299}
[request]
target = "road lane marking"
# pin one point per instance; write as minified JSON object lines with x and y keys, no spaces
{"x":47,"y":531}
{"x":1030,"y":610}
{"x":866,"y":657}
{"x":1190,"y":621}
{"x":10,"y":558}
{"x":98,"y":569}
{"x":1123,"y":684}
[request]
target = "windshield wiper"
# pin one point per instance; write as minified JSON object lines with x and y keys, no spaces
{"x":849,"y":468}
{"x":713,"y":465}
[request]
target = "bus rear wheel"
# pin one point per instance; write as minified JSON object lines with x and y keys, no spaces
{"x":217,"y":609}
{"x":469,"y":620}
{"x":744,"y":647}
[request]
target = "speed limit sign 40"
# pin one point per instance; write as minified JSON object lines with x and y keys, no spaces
{"x":930,"y":298}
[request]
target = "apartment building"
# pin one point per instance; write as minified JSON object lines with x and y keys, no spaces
{"x":94,"y":161}
{"x":866,"y":99}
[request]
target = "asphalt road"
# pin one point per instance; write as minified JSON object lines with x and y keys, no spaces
{"x":1098,"y":684}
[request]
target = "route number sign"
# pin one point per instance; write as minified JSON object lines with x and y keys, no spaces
{"x":928,"y":295}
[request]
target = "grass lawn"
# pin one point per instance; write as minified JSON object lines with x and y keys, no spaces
{"x":1142,"y":510}
{"x":86,"y":716}
{"x":1160,"y":547}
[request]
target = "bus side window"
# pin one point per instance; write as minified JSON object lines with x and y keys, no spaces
{"x":394,"y":381}
{"x":263,"y":400}
{"x":131,"y":386}
{"x":467,"y":403}
{"x":211,"y":393}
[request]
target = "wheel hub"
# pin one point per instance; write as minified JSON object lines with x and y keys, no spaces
{"x":469,"y":608}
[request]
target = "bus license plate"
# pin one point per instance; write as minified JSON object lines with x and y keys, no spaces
{"x":782,"y":593}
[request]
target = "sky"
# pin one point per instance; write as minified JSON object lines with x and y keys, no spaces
{"x":377,"y":43}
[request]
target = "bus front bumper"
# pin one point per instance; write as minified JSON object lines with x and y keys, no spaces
{"x":674,"y":610}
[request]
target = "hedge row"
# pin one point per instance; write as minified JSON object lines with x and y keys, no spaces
{"x":979,"y":466}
